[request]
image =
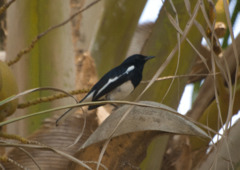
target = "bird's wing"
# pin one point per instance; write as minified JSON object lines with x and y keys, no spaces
{"x":112,"y":80}
{"x":105,"y":85}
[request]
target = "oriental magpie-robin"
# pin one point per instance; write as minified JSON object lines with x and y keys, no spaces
{"x":117,"y":84}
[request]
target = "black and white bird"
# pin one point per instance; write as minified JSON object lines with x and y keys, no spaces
{"x":117,"y":84}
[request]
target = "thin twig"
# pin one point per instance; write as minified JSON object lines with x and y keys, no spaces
{"x":233,"y":20}
{"x":7,"y":159}
{"x":98,"y":103}
{"x":181,"y":76}
{"x":48,"y":148}
{"x":27,"y":49}
{"x":157,"y":74}
{"x":50,"y":98}
{"x":5,"y":6}
{"x":30,"y":156}
{"x":13,"y":137}
{"x":179,"y":50}
{"x":81,"y":91}
{"x":83,"y":128}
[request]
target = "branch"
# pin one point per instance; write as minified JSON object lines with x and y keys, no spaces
{"x":27,"y":49}
{"x":5,"y":6}
{"x":50,"y":98}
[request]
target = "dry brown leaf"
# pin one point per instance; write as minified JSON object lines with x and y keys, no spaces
{"x":144,"y":119}
{"x":56,"y":137}
{"x":123,"y":152}
{"x":226,"y":154}
{"x":206,"y":93}
{"x":128,"y":145}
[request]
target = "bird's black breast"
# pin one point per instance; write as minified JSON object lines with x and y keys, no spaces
{"x":136,"y":77}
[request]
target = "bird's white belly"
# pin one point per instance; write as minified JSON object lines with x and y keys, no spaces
{"x":121,"y":92}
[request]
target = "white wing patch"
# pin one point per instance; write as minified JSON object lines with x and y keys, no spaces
{"x":89,"y":97}
{"x":115,"y":78}
{"x":109,"y":82}
{"x":129,"y":69}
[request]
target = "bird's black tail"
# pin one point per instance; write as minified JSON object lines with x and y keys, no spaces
{"x":65,"y":115}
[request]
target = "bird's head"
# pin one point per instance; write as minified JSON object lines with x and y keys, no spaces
{"x":137,"y":59}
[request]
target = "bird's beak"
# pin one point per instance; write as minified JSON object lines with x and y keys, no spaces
{"x":149,"y":57}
